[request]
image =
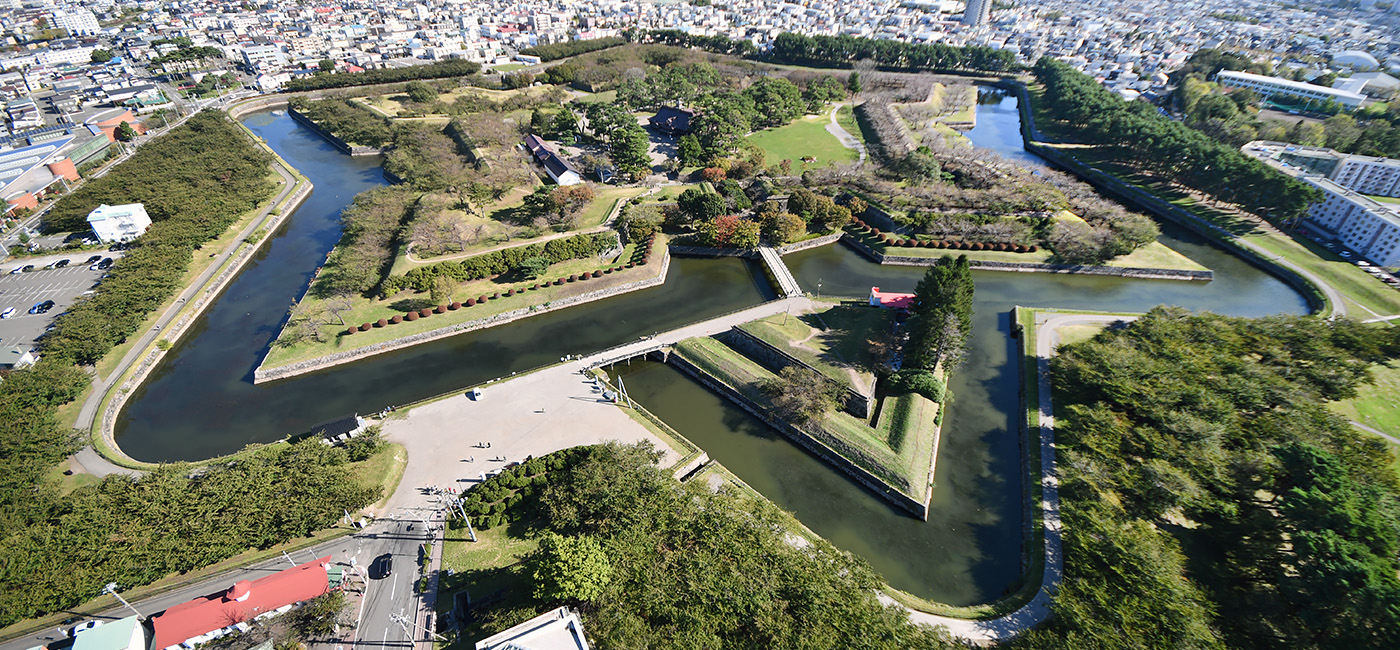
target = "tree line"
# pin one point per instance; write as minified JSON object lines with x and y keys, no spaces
{"x":435,"y":70}
{"x":1209,"y":497}
{"x":1136,"y":133}
{"x":503,"y":261}
{"x":555,"y":51}
{"x":59,"y":548}
{"x":346,"y":119}
{"x":940,"y":318}
{"x":844,"y":51}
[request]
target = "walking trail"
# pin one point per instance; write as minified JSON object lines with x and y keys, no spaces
{"x":847,"y":140}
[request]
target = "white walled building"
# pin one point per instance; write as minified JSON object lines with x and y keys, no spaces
{"x":1363,"y":224}
{"x":119,"y":223}
{"x":1275,"y":86}
{"x":78,"y":21}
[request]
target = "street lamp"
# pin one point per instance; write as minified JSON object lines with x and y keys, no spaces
{"x":111,"y":588}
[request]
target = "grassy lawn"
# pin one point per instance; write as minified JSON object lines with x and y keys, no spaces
{"x":806,"y":136}
{"x":605,"y":97}
{"x":391,"y":105}
{"x":508,"y":67}
{"x":1070,"y":334}
{"x":1375,"y":405}
{"x":1156,"y":255}
{"x":835,"y":340}
{"x":888,"y":450}
{"x":1383,"y":199}
{"x":489,"y":570}
{"x":384,"y":468}
{"x":366,"y":310}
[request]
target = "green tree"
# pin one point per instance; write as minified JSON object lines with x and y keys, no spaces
{"x":689,"y":151}
{"x":442,"y":290}
{"x":325,"y":65}
{"x":700,"y":205}
{"x":802,"y":395}
{"x":853,"y":82}
{"x":420,"y":92}
{"x":102,"y":56}
{"x":572,"y":569}
{"x":629,"y":150}
{"x":533,"y":267}
{"x":124,"y":132}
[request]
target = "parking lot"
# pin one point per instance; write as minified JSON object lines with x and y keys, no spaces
{"x":23,"y":290}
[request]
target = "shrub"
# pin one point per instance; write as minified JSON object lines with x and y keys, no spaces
{"x":381,"y":323}
{"x":411,"y":316}
{"x":597,"y":274}
{"x":425,"y":312}
{"x":440,"y":309}
{"x":977,"y":246}
{"x":534,"y":286}
{"x":365,"y":327}
{"x":471,"y":302}
{"x":351,"y":330}
{"x":629,"y":265}
{"x":510,"y":292}
{"x":890,"y":241}
{"x":1033,"y":248}
{"x":922,"y":382}
{"x":396,"y":319}
{"x":573,"y":278}
{"x":495,"y":295}
{"x":559,"y":282}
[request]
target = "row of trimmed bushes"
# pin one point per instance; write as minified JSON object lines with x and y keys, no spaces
{"x":496,"y":501}
{"x":481,"y":300}
{"x":861,"y":226}
{"x":502,"y":261}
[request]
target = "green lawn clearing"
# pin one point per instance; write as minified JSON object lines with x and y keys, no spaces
{"x":1152,"y":256}
{"x":837,"y":340}
{"x":605,"y":97}
{"x":806,"y":136}
{"x":846,"y":117}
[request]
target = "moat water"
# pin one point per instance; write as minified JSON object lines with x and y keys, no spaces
{"x":201,"y":401}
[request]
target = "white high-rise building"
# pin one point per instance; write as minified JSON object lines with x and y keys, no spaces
{"x":978,"y":12}
{"x":78,"y":21}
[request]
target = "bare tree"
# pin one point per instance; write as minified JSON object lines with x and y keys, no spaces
{"x":338,"y":306}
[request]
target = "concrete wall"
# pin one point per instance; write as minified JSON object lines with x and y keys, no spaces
{"x":809,"y":442}
{"x":810,"y":243}
{"x":773,"y":358}
{"x":262,"y":375}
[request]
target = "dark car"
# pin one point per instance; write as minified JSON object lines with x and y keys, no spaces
{"x":382,"y":567}
{"x":60,"y":264}
{"x":41,"y":308}
{"x":94,"y":259}
{"x":106,"y":263}
{"x":27,"y":268}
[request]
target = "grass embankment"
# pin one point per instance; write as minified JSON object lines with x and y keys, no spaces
{"x":898,"y":450}
{"x":804,"y":137}
{"x":846,"y":117}
{"x":1376,"y":405}
{"x":370,"y":310}
{"x":384,"y":468}
{"x":392,"y":104}
{"x":1154,"y":255}
{"x":835,"y":340}
{"x":495,"y":226}
{"x":1363,"y":294}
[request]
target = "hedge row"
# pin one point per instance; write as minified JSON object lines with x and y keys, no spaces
{"x":861,"y":226}
{"x":641,"y":260}
{"x":502,"y":261}
{"x":495,"y":501}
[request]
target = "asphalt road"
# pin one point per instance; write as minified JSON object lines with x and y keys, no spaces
{"x":24,"y":290}
{"x":381,"y":598}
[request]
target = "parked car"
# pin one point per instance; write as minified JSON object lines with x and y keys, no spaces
{"x":1345,"y":254}
{"x":25,"y":269}
{"x":105,"y":264}
{"x":94,"y":259}
{"x":7,"y":313}
{"x":17,"y":271}
{"x":60,"y":264}
{"x":83,"y":627}
{"x":50,"y":265}
{"x":41,"y":307}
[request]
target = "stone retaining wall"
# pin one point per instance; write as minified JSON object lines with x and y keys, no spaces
{"x":810,"y":243}
{"x":1035,"y":267}
{"x":807,"y":441}
{"x":262,"y":375}
{"x":335,"y":141}
{"x":108,"y":418}
{"x":706,"y":251}
{"x":769,"y":355}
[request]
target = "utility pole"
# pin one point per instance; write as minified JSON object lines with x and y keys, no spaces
{"x":404,"y":623}
{"x":111,"y":588}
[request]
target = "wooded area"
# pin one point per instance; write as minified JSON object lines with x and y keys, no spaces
{"x":1211,"y":500}
{"x":1136,"y":134}
{"x":649,"y":562}
{"x":435,"y":70}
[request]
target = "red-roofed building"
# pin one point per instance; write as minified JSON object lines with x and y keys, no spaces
{"x":890,"y":299}
{"x":244,"y":601}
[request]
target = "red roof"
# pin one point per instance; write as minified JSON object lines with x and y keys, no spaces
{"x":890,"y":299}
{"x":204,"y":615}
